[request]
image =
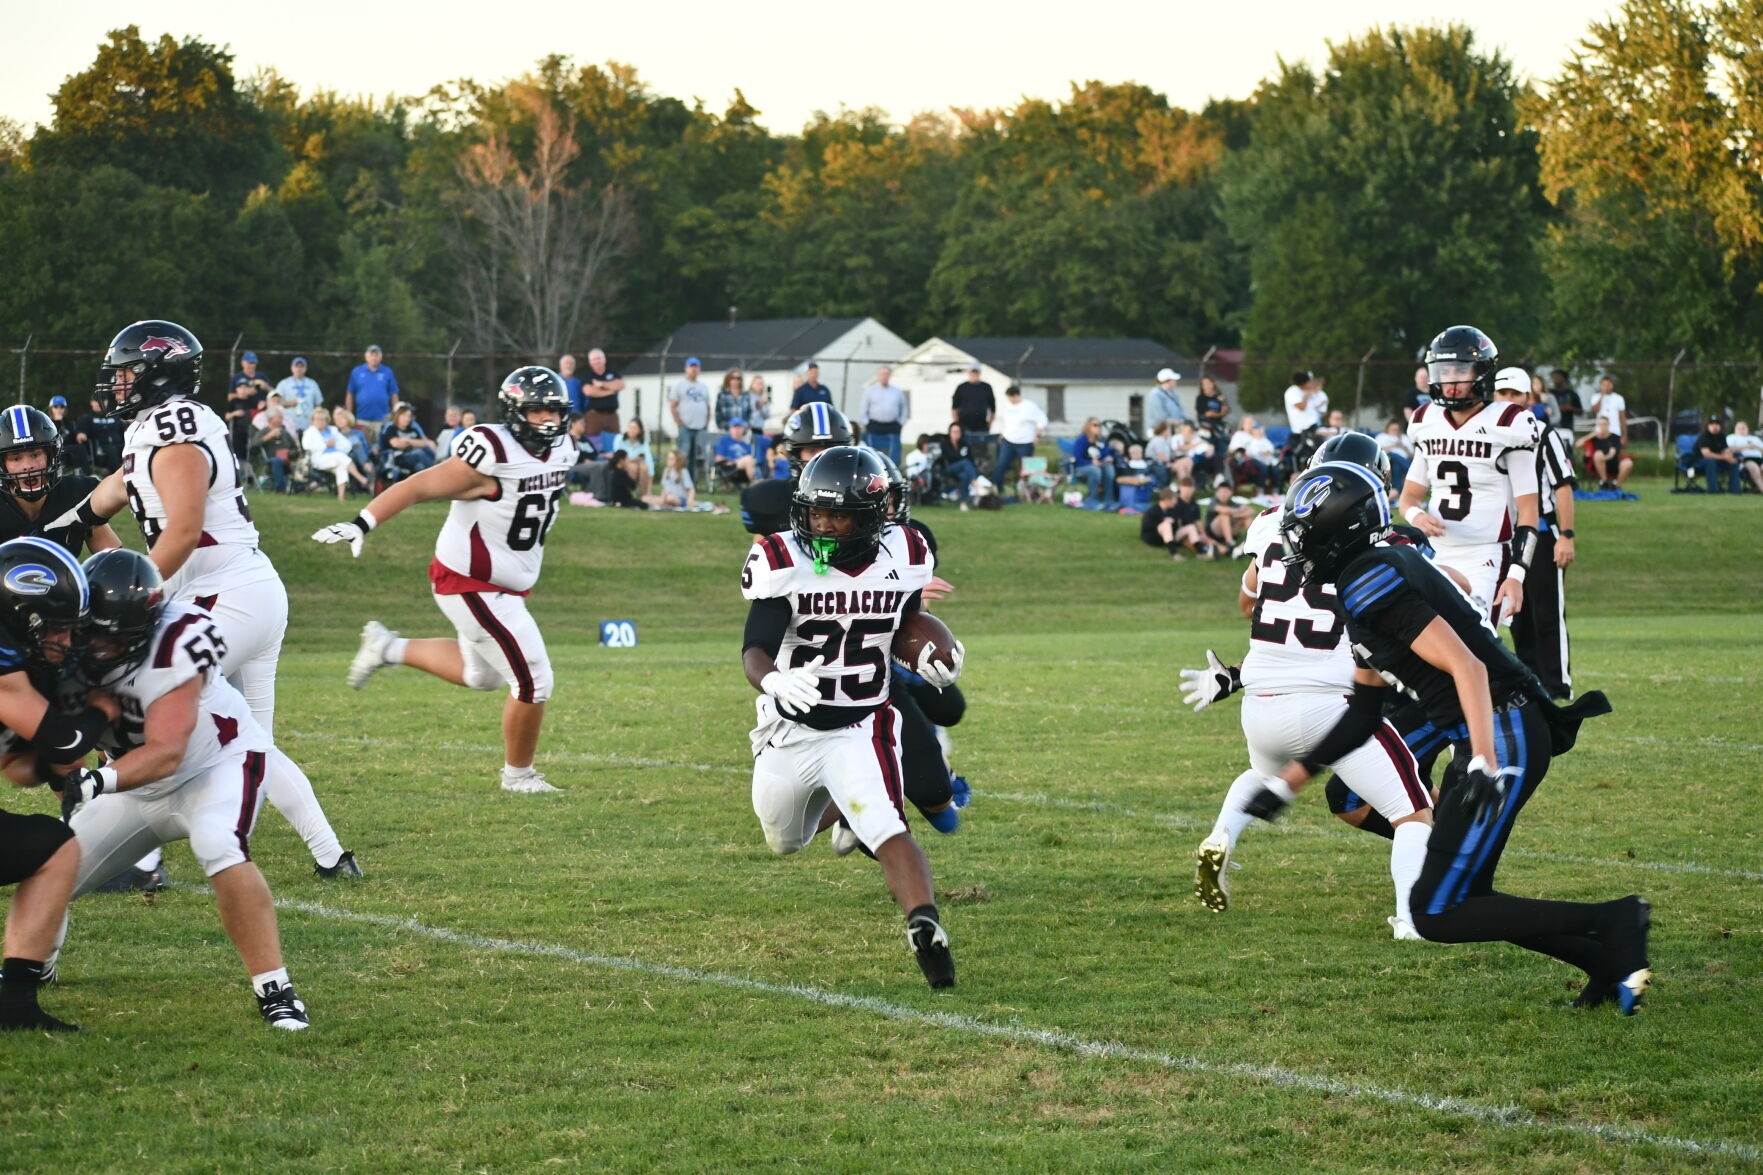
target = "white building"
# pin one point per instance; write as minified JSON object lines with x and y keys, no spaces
{"x":1071,"y":379}
{"x":849,"y":350}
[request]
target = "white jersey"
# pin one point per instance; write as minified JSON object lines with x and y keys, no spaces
{"x":1297,"y":636}
{"x":847,"y":617}
{"x":1475,"y":470}
{"x":226,"y":554}
{"x":187,"y":644}
{"x":498,"y":543}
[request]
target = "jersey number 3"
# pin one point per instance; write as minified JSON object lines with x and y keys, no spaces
{"x":1455,"y":507}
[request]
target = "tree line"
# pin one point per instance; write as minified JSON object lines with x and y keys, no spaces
{"x":1611,"y":212}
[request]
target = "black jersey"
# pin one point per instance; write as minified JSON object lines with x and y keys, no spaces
{"x":1390,"y":593}
{"x":765,"y":505}
{"x":62,"y":497}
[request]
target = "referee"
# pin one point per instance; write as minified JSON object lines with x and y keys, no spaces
{"x":1539,"y":632}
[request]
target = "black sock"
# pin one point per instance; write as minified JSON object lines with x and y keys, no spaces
{"x":1588,"y":954}
{"x":19,"y":982}
{"x":925,"y":912}
{"x":1377,"y":825}
{"x":1498,"y":917}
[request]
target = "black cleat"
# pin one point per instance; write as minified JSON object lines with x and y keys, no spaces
{"x":930,"y":942}
{"x":1627,"y":943}
{"x":345,"y":867}
{"x":281,"y":1008}
{"x":135,"y":879}
{"x":33,"y":1020}
{"x":1595,"y":994}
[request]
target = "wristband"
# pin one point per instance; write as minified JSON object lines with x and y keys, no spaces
{"x":365,"y":520}
{"x":1516,"y":572}
{"x":106,"y":779}
{"x":1411,"y":511}
{"x":87,"y":516}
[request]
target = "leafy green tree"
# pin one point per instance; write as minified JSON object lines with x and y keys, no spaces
{"x":1391,"y":196}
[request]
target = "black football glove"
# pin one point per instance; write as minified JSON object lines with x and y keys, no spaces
{"x":1483,"y":790}
{"x":82,"y":784}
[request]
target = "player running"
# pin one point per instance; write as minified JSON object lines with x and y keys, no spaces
{"x":188,"y":760}
{"x":807,"y":432}
{"x":504,"y":482}
{"x":1411,"y":627}
{"x":826,"y":601}
{"x":1477,"y":460}
{"x":1296,"y":682}
{"x":180,"y":478}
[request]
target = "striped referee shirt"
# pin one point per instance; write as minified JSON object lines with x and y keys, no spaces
{"x":1554,"y":470}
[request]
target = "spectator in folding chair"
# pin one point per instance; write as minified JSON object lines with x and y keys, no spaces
{"x":1194,"y":455}
{"x":734,"y":455}
{"x":1226,"y":518}
{"x":1160,"y":452}
{"x":958,"y":466}
{"x":1714,"y":457}
{"x":1748,"y":448}
{"x":1093,"y":464}
{"x":1034,"y":484}
{"x":641,"y":464}
{"x":404,"y":448}
{"x":1252,"y":459}
{"x":328,"y":450}
{"x":1609,"y":464}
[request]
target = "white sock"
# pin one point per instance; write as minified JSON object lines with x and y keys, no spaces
{"x":1231,"y":817}
{"x":259,"y":982}
{"x":151,"y":861}
{"x":1407,"y":855}
{"x":395,"y":650}
{"x":513,"y":772}
{"x":290,"y":793}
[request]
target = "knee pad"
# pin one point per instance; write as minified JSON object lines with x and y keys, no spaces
{"x":481,"y":676}
{"x":543,"y":682}
{"x":217,"y":848}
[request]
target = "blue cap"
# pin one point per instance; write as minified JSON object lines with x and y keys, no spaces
{"x":300,"y":359}
{"x":248,"y":357}
{"x":693,"y":362}
{"x":57,"y":401}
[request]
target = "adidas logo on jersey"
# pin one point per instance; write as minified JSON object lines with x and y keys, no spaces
{"x":893,"y":574}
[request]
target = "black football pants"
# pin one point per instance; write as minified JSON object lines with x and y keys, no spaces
{"x":1539,"y":631}
{"x":922,"y":709}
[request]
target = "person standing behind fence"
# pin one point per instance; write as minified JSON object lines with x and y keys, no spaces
{"x":1306,"y":402}
{"x":1567,"y":403}
{"x":300,"y":394}
{"x":1164,"y":401}
{"x":1019,"y":427}
{"x":1214,"y":413}
{"x":571,"y":385}
{"x":810,"y":390}
{"x":246,"y":397}
{"x":1609,"y":405}
{"x":883,"y":414}
{"x":729,"y":407}
{"x":373,"y":389}
{"x":600,"y":396}
{"x":689,"y":402}
{"x":972,"y":407}
{"x":758,"y":404}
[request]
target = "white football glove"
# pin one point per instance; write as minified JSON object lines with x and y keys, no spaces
{"x":797,"y":690}
{"x":935,"y":674}
{"x":1218,"y":681}
{"x":353,"y":532}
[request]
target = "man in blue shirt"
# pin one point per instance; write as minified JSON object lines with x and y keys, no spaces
{"x":373,"y":389}
{"x":566,"y":368}
{"x":300,"y":395}
{"x":734,"y":453}
{"x":812,"y":390}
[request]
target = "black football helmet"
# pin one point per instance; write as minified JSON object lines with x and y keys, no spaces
{"x":815,"y":425}
{"x":165,"y":362}
{"x":43,"y":600}
{"x":851,"y":480}
{"x":1332,"y":512}
{"x":525,"y":388}
{"x":1462,"y":354}
{"x":1357,"y":448}
{"x":128,"y":595}
{"x":23,"y":428}
{"x":899,"y":501}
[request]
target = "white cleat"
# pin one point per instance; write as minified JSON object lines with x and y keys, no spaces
{"x":529,"y":781}
{"x":371,"y":656}
{"x":1402,"y":930}
{"x":843,"y":840}
{"x":1211,"y":885}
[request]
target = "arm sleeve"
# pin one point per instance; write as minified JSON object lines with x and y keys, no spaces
{"x":1380,"y":596}
{"x":1521,"y":471}
{"x":767,"y":621}
{"x":1356,"y":724}
{"x":66,"y":738}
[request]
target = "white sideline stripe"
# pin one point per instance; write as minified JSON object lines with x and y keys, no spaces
{"x":1168,"y":819}
{"x":1507,"y":1117}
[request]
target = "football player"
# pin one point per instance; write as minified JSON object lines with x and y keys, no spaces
{"x":181,"y":480}
{"x":504,"y":482}
{"x":1295,"y":681}
{"x":765,"y":505}
{"x":188,"y":760}
{"x":1477,"y":461}
{"x":826,"y":601}
{"x":1409,"y":626}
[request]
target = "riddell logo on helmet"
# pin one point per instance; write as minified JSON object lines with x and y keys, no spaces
{"x":169,"y":346}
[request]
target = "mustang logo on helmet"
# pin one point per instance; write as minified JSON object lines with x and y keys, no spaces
{"x":877,"y":483}
{"x":161,"y":343}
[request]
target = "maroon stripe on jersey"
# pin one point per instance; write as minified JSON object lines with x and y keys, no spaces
{"x":915,"y":547}
{"x":1407,"y":770}
{"x":489,"y":434}
{"x":207,"y":540}
{"x":480,"y":555}
{"x":206,"y":603}
{"x":523,"y":677}
{"x":253,"y":783}
{"x":882,"y":739}
{"x":168,"y":640}
{"x":1511,"y":414}
{"x":776,"y":553}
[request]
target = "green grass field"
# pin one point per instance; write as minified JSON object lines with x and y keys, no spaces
{"x":622,"y":977}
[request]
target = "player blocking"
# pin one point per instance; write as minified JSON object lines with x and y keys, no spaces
{"x":827,"y":599}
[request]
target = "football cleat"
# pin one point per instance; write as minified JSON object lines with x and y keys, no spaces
{"x":843,"y":840}
{"x":1594,"y":995}
{"x":33,"y":1020}
{"x":371,"y":656}
{"x":281,"y":1008}
{"x":1402,"y":930}
{"x":135,"y":879}
{"x":527,"y":781}
{"x":930,"y":943}
{"x":1211,"y":885}
{"x":346,"y":868}
{"x":1631,"y":989}
{"x":960,"y":790}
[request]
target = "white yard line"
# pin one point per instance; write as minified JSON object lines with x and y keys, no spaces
{"x":1168,"y":819}
{"x":1501,"y":1116}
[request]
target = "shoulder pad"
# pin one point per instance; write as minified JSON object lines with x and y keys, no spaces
{"x":482,"y":448}
{"x":770,"y":565}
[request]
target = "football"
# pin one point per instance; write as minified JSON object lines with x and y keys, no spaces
{"x":917,"y":630}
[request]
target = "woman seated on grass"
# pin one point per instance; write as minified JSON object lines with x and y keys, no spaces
{"x":677,"y":491}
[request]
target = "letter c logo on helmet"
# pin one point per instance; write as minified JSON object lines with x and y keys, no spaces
{"x":1311,"y":496}
{"x":30,"y":579}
